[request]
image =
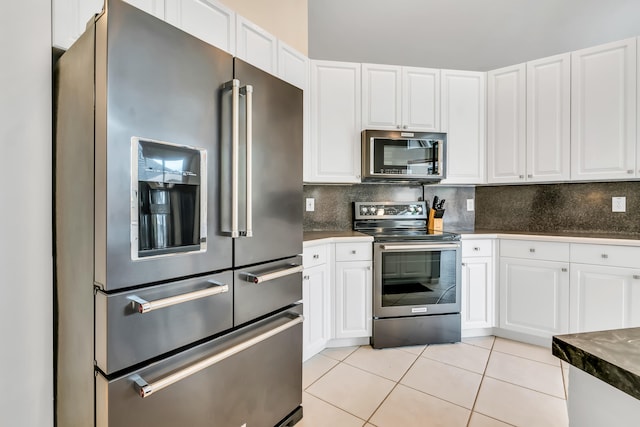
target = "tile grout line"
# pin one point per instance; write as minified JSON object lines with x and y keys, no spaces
{"x":473,"y":407}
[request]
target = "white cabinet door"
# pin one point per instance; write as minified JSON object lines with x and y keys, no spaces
{"x":256,"y":46}
{"x":353,"y":299}
{"x":152,"y":7}
{"x":209,"y":20}
{"x":381,"y":96}
{"x":316,"y":310}
{"x":534,"y":296}
{"x":334,"y":154}
{"x":463,"y":119}
{"x":603,"y":111}
{"x":604,"y":298}
{"x":477,"y":293}
{"x":548,"y":119}
{"x":506,"y":124}
{"x":69,"y":19}
{"x":293,"y":66}
{"x":420,"y":99}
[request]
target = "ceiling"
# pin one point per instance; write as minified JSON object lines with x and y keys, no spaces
{"x":464,"y":34}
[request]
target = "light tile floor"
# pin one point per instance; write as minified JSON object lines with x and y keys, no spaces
{"x":480,"y":382}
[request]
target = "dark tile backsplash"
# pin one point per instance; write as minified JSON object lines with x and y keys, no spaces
{"x":334,"y":203}
{"x":574,"y":207}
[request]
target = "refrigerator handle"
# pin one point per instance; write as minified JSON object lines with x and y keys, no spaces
{"x":247,"y":91}
{"x":234,"y":85}
{"x":293,"y":269}
{"x":143,"y":306}
{"x":145,"y":389}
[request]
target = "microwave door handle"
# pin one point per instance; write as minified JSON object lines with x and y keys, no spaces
{"x":247,"y":91}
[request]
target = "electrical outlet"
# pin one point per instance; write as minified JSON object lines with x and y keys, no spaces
{"x":311,"y":204}
{"x":618,"y":204}
{"x":471,"y":205}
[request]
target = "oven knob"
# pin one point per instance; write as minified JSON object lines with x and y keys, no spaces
{"x":372,"y":209}
{"x":419,"y":209}
{"x":363,"y":210}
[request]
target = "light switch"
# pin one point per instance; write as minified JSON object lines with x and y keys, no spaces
{"x":618,"y":204}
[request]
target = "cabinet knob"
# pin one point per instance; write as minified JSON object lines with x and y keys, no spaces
{"x":353,"y":252}
{"x":532,"y":250}
{"x":636,"y":276}
{"x":397,"y":126}
{"x":630,"y":171}
{"x":405,"y":127}
{"x":316,"y":256}
{"x":605,"y":256}
{"x":305,"y":277}
{"x":368,"y":268}
{"x":564,"y":270}
{"x":464,"y":264}
{"x":476,"y":248}
{"x":529,"y":176}
{"x":521,"y":176}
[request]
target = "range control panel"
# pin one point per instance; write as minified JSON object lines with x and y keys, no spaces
{"x":390,"y":210}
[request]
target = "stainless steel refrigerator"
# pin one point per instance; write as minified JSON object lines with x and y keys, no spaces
{"x":178,"y":224}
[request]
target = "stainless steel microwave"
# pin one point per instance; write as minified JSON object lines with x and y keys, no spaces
{"x":403,"y":156}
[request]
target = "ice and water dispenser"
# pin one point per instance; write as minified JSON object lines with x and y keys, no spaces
{"x":169,"y":198}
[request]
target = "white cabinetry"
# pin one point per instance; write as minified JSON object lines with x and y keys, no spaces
{"x":477,"y":285}
{"x":548,"y":119}
{"x":256,"y":46}
{"x":534,"y":287}
{"x":400,"y":98}
{"x":293,"y":66}
{"x":209,"y":20}
{"x":463,"y":114}
{"x":605,"y":287}
{"x":353,"y":290}
{"x":506,"y":124}
{"x":334,"y":152}
{"x":603,"y":112}
{"x":316,"y":298}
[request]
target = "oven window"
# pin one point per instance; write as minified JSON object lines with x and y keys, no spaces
{"x":418,"y":278}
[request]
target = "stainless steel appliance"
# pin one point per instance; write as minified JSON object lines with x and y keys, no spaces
{"x":178,"y":231}
{"x":416,"y":281}
{"x":403,"y":156}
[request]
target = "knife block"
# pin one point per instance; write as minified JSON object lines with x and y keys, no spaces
{"x":435,"y":219}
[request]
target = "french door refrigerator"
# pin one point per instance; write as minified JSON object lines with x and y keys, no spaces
{"x":178,"y":222}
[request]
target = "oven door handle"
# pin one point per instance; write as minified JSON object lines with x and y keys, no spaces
{"x":394,"y":247}
{"x":143,"y":306}
{"x":253,"y":278}
{"x":145,"y":389}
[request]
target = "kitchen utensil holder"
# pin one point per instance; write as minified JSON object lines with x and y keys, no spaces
{"x":435,"y":220}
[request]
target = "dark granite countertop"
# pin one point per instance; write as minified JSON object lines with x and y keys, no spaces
{"x":611,"y":356}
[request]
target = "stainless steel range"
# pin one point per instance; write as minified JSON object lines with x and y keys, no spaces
{"x":416,"y":282}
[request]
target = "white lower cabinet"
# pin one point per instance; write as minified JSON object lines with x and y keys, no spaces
{"x":316,"y":286}
{"x":534,"y":296}
{"x":478,"y":296}
{"x":353,"y":302}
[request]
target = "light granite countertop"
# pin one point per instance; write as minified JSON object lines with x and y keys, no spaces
{"x":611,"y":356}
{"x":312,"y":237}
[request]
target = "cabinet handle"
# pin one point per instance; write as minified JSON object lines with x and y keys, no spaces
{"x":305,"y":277}
{"x":532,"y":250}
{"x":316,"y":256}
{"x":521,"y":176}
{"x":529,"y":176}
{"x":636,"y":276}
{"x":605,"y":256}
{"x":476,"y":248}
{"x":564,"y":270}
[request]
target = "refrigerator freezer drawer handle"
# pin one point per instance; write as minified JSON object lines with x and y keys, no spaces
{"x":145,"y":389}
{"x":143,"y":306}
{"x":275,"y":275}
{"x":247,"y":91}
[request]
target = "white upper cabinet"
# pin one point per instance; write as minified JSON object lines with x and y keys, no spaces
{"x":603,"y":112}
{"x":209,"y":20}
{"x":293,"y":66}
{"x":463,"y":110}
{"x":69,"y":19}
{"x":548,"y":119}
{"x":334,"y":149}
{"x":506,"y":124}
{"x":400,"y":98}
{"x":256,"y":46}
{"x":153,"y":7}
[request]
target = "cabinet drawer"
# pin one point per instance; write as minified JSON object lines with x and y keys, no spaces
{"x":473,"y":248}
{"x":314,"y":255}
{"x":354,"y":251}
{"x":530,"y":249}
{"x":616,"y":256}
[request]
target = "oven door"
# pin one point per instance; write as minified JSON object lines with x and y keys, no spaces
{"x":416,"y":278}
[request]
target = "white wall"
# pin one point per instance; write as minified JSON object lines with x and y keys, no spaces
{"x":26,"y":356}
{"x":475,"y":35}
